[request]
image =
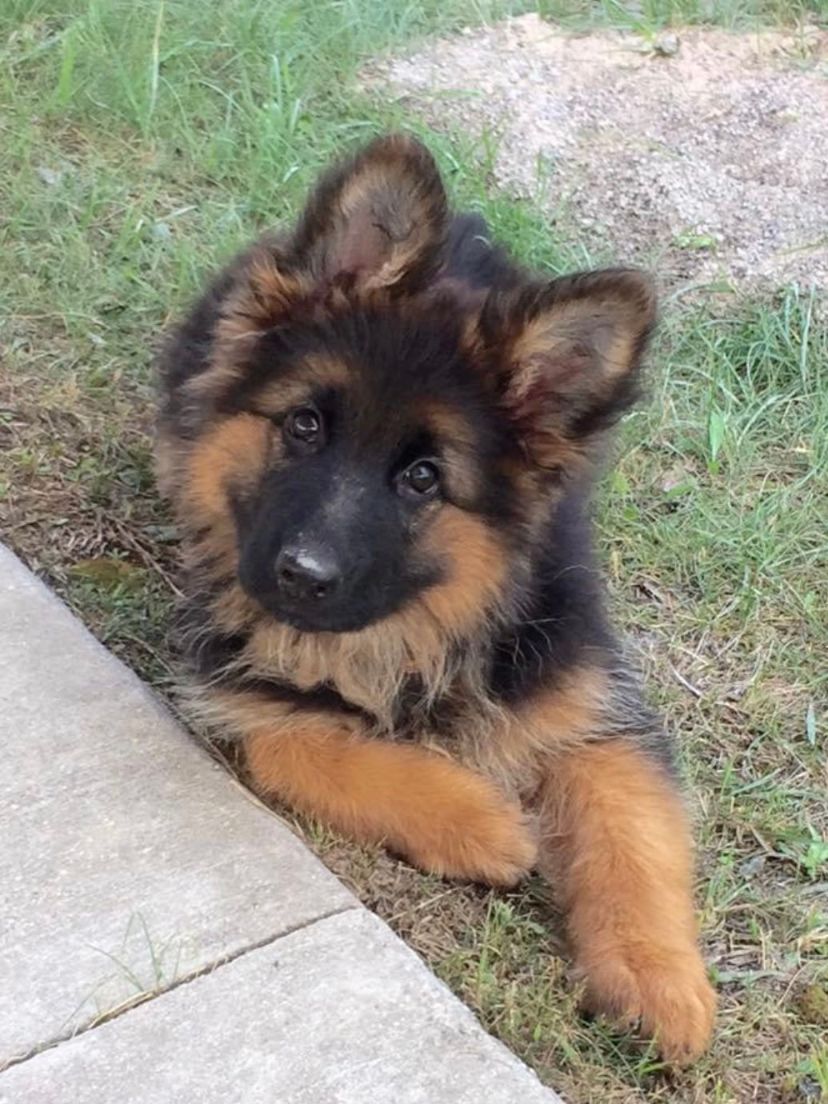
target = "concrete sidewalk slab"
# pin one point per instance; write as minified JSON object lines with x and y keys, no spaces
{"x":163,"y":937}
{"x":129,"y":860}
{"x":338,"y":1013}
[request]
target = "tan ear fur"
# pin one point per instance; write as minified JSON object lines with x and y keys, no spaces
{"x":564,"y":356}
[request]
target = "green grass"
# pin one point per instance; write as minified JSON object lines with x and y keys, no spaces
{"x":140,"y":144}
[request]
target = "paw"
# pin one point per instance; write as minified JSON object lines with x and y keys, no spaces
{"x":664,"y":994}
{"x":495,"y":845}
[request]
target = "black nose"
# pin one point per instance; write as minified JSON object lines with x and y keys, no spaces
{"x":307,"y":573}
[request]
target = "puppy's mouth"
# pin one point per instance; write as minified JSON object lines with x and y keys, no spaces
{"x":307,"y":618}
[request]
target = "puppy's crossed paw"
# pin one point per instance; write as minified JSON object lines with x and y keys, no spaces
{"x":494,"y":844}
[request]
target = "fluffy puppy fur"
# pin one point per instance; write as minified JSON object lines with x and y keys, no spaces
{"x":379,"y":437}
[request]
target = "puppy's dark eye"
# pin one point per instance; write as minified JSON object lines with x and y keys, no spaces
{"x":421,"y":478}
{"x":304,"y":425}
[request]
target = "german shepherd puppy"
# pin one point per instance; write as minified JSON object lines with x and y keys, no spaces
{"x":379,"y":435}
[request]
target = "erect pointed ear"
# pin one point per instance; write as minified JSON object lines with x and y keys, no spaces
{"x":378,"y":220}
{"x":564,"y":357}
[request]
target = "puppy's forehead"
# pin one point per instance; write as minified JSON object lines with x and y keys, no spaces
{"x":391,"y":411}
{"x":383,"y":403}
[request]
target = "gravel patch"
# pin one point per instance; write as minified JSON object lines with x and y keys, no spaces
{"x":704,"y":153}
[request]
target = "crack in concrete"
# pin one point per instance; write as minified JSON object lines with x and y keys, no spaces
{"x":148,"y":996}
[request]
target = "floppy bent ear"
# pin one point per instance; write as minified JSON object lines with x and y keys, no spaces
{"x":565,"y":356}
{"x":378,"y":220}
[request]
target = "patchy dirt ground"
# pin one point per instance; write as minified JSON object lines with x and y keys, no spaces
{"x":704,"y":153}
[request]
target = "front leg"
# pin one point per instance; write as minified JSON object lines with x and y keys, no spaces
{"x":615,"y":841}
{"x":443,"y":817}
